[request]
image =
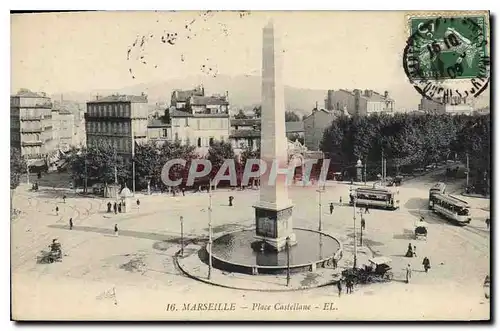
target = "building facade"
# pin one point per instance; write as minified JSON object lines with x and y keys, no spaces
{"x":245,"y":133}
{"x":359,"y":102}
{"x":198,"y":120}
{"x":314,"y":126}
{"x":455,"y":106}
{"x":159,"y":131}
{"x":117,"y":120}
{"x":67,"y":129}
{"x":31,"y":125}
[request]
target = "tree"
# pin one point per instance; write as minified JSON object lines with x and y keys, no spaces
{"x":218,"y":153}
{"x":171,"y":151}
{"x":257,"y":110}
{"x":241,"y":115}
{"x":99,"y":164}
{"x":290,"y":116}
{"x":147,"y":164}
{"x":17,"y":168}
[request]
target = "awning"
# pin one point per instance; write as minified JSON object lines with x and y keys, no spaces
{"x":36,"y":163}
{"x":380,"y":260}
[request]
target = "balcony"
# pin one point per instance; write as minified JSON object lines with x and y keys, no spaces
{"x":31,"y":117}
{"x":32,"y":143}
{"x":31,"y":130}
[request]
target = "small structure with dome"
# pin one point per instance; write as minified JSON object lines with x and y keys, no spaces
{"x":125,"y":198}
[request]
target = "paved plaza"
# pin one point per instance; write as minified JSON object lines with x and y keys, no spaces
{"x":133,"y":275}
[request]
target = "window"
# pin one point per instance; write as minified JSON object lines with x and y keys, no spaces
{"x":211,"y":141}
{"x":199,"y":140}
{"x":176,"y":136}
{"x":164,"y":131}
{"x":188,"y":141}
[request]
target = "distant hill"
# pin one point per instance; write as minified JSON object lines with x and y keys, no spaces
{"x":244,"y":92}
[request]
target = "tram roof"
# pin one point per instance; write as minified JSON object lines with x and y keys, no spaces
{"x":373,"y":190}
{"x":438,"y":186}
{"x":453,"y":200}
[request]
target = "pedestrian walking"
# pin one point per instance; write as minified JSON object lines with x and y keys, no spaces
{"x":71,"y":223}
{"x":64,"y":198}
{"x":408,"y":273}
{"x":367,"y":210}
{"x":339,"y":286}
{"x":340,"y":200}
{"x":120,"y":207}
{"x":231,"y":201}
{"x":115,"y":207}
{"x":138,"y":203}
{"x":415,"y":251}
{"x":348,"y":285}
{"x":183,"y":191}
{"x":363,"y":224}
{"x":426,"y":263}
{"x":57,"y":210}
{"x":334,"y":260}
{"x":116,"y":230}
{"x":109,"y":207}
{"x":487,"y":221}
{"x":331,"y":208}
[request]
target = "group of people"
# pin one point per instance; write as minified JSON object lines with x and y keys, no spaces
{"x":117,"y":207}
{"x":349,"y":285}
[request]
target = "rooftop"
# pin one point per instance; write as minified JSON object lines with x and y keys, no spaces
{"x":245,"y":134}
{"x":121,"y":98}
{"x":181,"y":113}
{"x":157,"y":123}
{"x":25,"y":93}
{"x":184,"y":95}
{"x":245,"y":121}
{"x":212,"y":100}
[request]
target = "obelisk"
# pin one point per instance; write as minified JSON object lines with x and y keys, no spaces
{"x":273,"y":211}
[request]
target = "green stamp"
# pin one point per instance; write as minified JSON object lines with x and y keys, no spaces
{"x":444,"y":49}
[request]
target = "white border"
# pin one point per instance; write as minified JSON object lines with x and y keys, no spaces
{"x":196,"y":5}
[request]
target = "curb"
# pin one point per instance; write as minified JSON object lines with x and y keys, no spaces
{"x":206,"y":281}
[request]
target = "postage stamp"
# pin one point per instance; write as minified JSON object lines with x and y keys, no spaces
{"x":447,"y":56}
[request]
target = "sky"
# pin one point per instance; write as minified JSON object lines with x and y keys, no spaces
{"x":79,"y":52}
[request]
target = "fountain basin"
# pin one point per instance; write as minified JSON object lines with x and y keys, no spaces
{"x":233,"y":252}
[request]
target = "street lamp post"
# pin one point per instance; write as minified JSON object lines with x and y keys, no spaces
{"x":182,"y":236}
{"x":210,"y":230}
{"x":86,"y":175}
{"x":287,"y":261}
{"x":354,"y":228}
{"x":28,"y":173}
{"x":361,"y":228}
{"x":319,"y":208}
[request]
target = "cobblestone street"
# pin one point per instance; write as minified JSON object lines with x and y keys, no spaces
{"x":138,"y":263}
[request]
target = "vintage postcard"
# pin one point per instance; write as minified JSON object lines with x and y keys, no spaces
{"x":240,"y":165}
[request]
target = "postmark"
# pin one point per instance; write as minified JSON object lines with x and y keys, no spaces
{"x":446,"y":58}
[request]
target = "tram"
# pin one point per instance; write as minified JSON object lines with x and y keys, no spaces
{"x":438,"y":188}
{"x":375,"y":197}
{"x":451,"y":208}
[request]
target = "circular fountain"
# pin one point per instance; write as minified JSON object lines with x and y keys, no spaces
{"x":234,"y":252}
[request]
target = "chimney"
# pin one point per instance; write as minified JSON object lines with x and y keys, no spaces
{"x":227,"y":95}
{"x":386,"y":94}
{"x":97,"y":96}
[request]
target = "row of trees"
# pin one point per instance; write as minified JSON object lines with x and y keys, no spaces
{"x":408,"y":141}
{"x":101,"y":164}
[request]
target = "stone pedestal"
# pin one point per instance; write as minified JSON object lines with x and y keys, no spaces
{"x":274,"y":225}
